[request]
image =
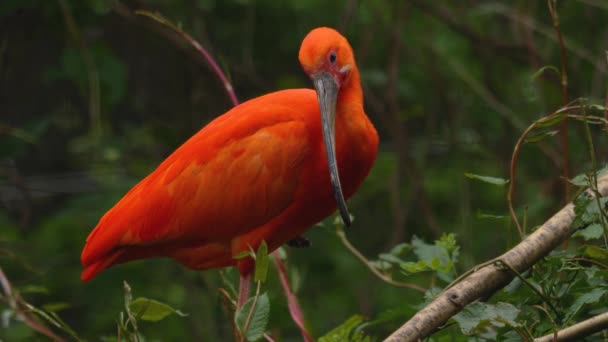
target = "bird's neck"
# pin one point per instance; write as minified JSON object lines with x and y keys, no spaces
{"x":351,"y":93}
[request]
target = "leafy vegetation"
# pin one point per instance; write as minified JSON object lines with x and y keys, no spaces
{"x":93,"y":97}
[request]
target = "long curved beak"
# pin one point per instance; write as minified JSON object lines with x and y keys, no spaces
{"x":327,"y":92}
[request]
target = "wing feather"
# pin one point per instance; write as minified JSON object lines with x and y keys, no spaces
{"x":232,"y":176}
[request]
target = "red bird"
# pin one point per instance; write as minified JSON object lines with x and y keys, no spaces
{"x":257,"y":172}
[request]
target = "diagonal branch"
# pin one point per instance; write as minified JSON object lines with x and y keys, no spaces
{"x":579,"y":330}
{"x":17,"y":304}
{"x":492,"y":276}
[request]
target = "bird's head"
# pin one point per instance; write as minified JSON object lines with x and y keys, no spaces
{"x":324,"y":50}
{"x":328,"y":60}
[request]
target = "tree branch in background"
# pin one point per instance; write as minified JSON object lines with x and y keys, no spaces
{"x":92,"y":73}
{"x":579,"y":330}
{"x":564,"y":84}
{"x":445,"y":15}
{"x":487,"y":279}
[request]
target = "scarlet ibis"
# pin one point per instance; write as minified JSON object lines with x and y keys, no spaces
{"x":257,"y":172}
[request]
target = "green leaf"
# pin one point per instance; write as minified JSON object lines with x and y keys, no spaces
{"x":549,"y":121}
{"x":596,"y":252}
{"x":580,"y":180}
{"x":439,"y":257}
{"x":543,"y":69}
{"x":587,"y":210}
{"x":590,"y":297}
{"x":400,"y":313}
{"x":415,"y":267}
{"x":54,"y":307}
{"x":580,"y":206}
{"x":583,"y":178}
{"x":487,"y":179}
{"x":390,"y":258}
{"x":30,"y":289}
{"x":592,"y":232}
{"x":481,"y":215}
{"x":261,"y":263}
{"x":448,"y":242}
{"x":401,"y":248}
{"x":242,"y":255}
{"x":381,"y":265}
{"x":536,"y":137}
{"x":426,"y":252}
{"x":151,"y":310}
{"x":54,"y":319}
{"x":590,"y":119}
{"x":259,"y":317}
{"x":479,"y":317}
{"x":346,"y":332}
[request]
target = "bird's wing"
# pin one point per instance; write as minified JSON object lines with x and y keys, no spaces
{"x":232,"y":176}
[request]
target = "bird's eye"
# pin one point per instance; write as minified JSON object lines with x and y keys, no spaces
{"x":332,"y":57}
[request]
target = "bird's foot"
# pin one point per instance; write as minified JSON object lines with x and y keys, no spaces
{"x":299,"y":242}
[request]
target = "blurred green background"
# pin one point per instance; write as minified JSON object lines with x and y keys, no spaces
{"x":92,"y":98}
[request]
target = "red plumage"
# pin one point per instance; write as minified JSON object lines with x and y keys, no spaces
{"x":257,"y":172}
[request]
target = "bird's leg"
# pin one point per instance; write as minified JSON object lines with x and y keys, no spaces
{"x":244,"y":284}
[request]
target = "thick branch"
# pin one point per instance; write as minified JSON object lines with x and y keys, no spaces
{"x":579,"y":330}
{"x":488,"y":279}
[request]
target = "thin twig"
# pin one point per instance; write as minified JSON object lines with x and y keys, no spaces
{"x":591,"y":261}
{"x":592,"y":176}
{"x":292,"y":300}
{"x":530,"y":285}
{"x":216,"y":68}
{"x":92,"y":73}
{"x":529,"y":21}
{"x":15,"y":302}
{"x":250,"y":314}
{"x":543,"y":309}
{"x":513,"y":170}
{"x":360,"y":256}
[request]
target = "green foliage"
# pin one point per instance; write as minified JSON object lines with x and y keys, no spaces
{"x":91,"y":104}
{"x":439,"y":257}
{"x":347,"y":331}
{"x":144,"y":309}
{"x":252,"y":318}
{"x":151,"y":310}
{"x":51,"y":317}
{"x":591,"y":232}
{"x":483,"y":319}
{"x":262,"y":261}
{"x":487,"y":179}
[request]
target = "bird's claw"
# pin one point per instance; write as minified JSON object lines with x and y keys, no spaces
{"x":299,"y":242}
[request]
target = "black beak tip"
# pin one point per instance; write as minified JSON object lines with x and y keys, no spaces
{"x":347,"y":222}
{"x":344,"y":214}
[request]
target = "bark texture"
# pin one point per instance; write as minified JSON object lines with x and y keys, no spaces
{"x":579,"y":330}
{"x":485,"y":280}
